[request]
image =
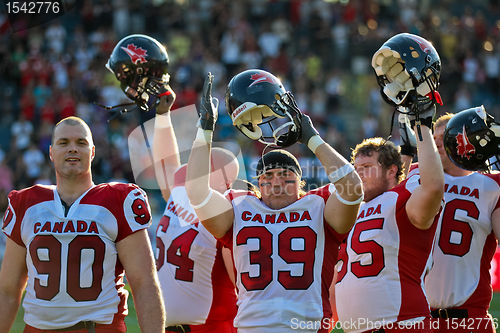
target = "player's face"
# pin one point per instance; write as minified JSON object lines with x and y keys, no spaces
{"x":374,"y":176}
{"x":72,"y":150}
{"x":438,"y":138}
{"x":279,"y":188}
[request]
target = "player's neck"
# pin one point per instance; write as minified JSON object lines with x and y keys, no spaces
{"x":70,"y":189}
{"x":456,"y":171}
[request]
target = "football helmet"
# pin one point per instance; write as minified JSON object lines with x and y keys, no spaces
{"x":262,"y":109}
{"x":140,"y":63}
{"x":408,"y":68}
{"x":472,"y":138}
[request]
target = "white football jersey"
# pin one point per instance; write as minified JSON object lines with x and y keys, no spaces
{"x":194,"y":280}
{"x":382,"y":264}
{"x":465,"y":243}
{"x":284,"y":261}
{"x":74,"y":273}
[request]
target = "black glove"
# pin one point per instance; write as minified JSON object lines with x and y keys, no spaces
{"x":409,"y":141}
{"x":306,"y":125}
{"x":208,"y":106}
{"x":307,"y":129}
{"x":423,"y":109}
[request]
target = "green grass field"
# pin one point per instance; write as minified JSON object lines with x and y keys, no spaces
{"x":133,"y":326}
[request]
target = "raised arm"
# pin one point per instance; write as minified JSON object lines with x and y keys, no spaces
{"x":425,"y":201}
{"x":165,"y":149}
{"x":212,"y":208}
{"x":342,"y":207}
{"x":408,"y":142}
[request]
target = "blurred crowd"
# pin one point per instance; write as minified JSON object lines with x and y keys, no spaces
{"x":320,"y":49}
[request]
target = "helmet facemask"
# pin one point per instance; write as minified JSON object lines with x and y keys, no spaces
{"x":276,"y":125}
{"x":146,"y":92}
{"x":140,"y":64}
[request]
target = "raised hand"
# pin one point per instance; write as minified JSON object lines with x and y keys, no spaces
{"x":409,"y":141}
{"x":167,"y":99}
{"x":208,"y":106}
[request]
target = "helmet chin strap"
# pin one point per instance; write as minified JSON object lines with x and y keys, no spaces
{"x":277,"y":130}
{"x":291,"y":127}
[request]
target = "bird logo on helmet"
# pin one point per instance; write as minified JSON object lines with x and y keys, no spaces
{"x":471,"y":139}
{"x":137,"y":54}
{"x":464,"y":147}
{"x":140,"y":63}
{"x":262,"y":109}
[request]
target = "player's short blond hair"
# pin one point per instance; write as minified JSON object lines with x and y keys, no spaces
{"x":72,"y":121}
{"x":443,"y":120}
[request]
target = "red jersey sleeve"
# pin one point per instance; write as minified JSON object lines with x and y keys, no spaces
{"x":127,"y":202}
{"x":18,"y":204}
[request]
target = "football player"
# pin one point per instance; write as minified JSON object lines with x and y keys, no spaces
{"x":284,"y":240}
{"x":198,"y":294}
{"x":381,"y":265}
{"x":459,"y":284}
{"x":70,"y":244}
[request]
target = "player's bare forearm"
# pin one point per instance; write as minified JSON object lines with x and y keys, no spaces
{"x":211,"y":207}
{"x":430,"y":167}
{"x":13,"y":276}
{"x":165,"y":148}
{"x":165,"y":153}
{"x":149,"y":306}
{"x":425,"y":201}
{"x":137,"y":258}
{"x":407,"y":160}
{"x":8,"y":310}
{"x":198,"y":169}
{"x":350,"y":186}
{"x":338,"y":214}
